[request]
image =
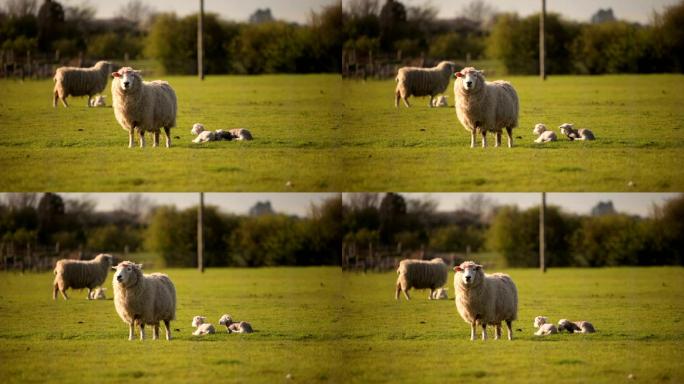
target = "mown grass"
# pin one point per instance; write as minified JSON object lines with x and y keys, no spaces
{"x":323,"y":325}
{"x":294,"y":119}
{"x":638,"y":121}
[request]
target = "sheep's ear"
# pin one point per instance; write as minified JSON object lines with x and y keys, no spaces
{"x":458,"y":74}
{"x":116,"y":74}
{"x":114,"y":268}
{"x":458,"y":268}
{"x":478,"y":267}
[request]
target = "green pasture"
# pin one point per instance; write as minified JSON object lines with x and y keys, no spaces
{"x":638,"y":121}
{"x":295,"y":121}
{"x":323,"y":325}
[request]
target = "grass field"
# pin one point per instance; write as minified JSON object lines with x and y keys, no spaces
{"x":638,"y":121}
{"x":322,"y":325}
{"x":294,"y":119}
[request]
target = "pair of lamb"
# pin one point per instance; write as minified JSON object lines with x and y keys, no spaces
{"x":546,"y":328}
{"x":233,"y":134}
{"x":204,"y":328}
{"x":566,"y":129}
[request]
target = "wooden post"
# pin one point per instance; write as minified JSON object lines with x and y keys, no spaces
{"x":542,"y":46}
{"x":200,"y":235}
{"x":200,"y":41}
{"x":542,"y":243}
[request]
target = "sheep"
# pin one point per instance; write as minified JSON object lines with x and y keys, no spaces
{"x":420,"y":274}
{"x":97,"y":294}
{"x":235,"y":326}
{"x":197,"y":128}
{"x":576,"y":134}
{"x":545,"y":328}
{"x":73,"y":81}
{"x":143,"y":299}
{"x":575,"y":327}
{"x":414,"y":81}
{"x":79,"y":274}
{"x":98,"y":101}
{"x":544,"y":135}
{"x":439,"y":294}
{"x":203,"y":328}
{"x":485,"y":106}
{"x":485,"y":299}
{"x":240,"y":134}
{"x":219,"y":134}
{"x":440,"y":101}
{"x":205,"y":136}
{"x":143,"y":106}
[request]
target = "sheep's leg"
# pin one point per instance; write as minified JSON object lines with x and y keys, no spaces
{"x":397,"y":96}
{"x":54,"y":100}
{"x":54,"y":292}
{"x":89,"y":97}
{"x":155,"y":332}
{"x":497,"y":331}
{"x":131,"y":330}
{"x":155,"y":139}
{"x":509,"y":325}
{"x":131,"y":137}
{"x":167,"y":325}
{"x":65,"y":102}
{"x":430,"y":103}
{"x":142,"y":331}
{"x":90,"y":293}
{"x":432,"y":294}
{"x":396,"y":295}
{"x":484,"y":138}
{"x":484,"y":331}
{"x":406,"y":294}
{"x":473,"y":140}
{"x":473,"y":330}
{"x":406,"y":102}
{"x":167,"y":133}
{"x":63,"y":291}
{"x":509,"y":132}
{"x":142,"y":137}
{"x":497,"y":141}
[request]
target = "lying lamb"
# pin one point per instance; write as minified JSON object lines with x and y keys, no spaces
{"x":97,"y":294}
{"x":233,"y":134}
{"x":440,"y":294}
{"x":235,"y":326}
{"x":544,"y":135}
{"x":545,"y":328}
{"x":98,"y":101}
{"x":440,"y":101}
{"x":576,"y":134}
{"x":576,"y":326}
{"x":203,"y":328}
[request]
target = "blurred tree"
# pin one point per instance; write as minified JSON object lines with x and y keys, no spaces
{"x":50,"y":217}
{"x":50,"y":24}
{"x":138,"y":12}
{"x":392,"y":24}
{"x":392,"y":216}
{"x":479,"y":11}
{"x":608,"y":241}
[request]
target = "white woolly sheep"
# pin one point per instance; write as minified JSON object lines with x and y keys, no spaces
{"x":485,"y":106}
{"x":544,"y":135}
{"x":235,"y":326}
{"x":98,"y":101}
{"x":97,"y":294}
{"x":440,"y":101}
{"x":142,"y":106}
{"x":414,"y":81}
{"x":576,"y":326}
{"x":78,"y":274}
{"x":205,"y":136}
{"x":420,"y":274}
{"x":576,"y":134}
{"x":143,"y":299}
{"x":485,"y":299}
{"x":546,"y":329}
{"x":440,"y":294}
{"x":203,"y":328}
{"x":73,"y":81}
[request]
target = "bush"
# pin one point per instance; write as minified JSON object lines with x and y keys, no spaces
{"x":112,"y":45}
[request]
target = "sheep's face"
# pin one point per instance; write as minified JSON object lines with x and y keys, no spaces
{"x":468,"y":274}
{"x":127,"y":273}
{"x":129,"y":79}
{"x":539,"y":129}
{"x":566,"y":128}
{"x":197,"y":128}
{"x":226,"y":320}
{"x":470,"y":79}
{"x":198,"y":320}
{"x":539,"y":321}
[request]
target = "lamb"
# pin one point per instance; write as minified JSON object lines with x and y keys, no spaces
{"x":440,"y":101}
{"x":73,"y":81}
{"x":485,"y":106}
{"x":143,"y":106}
{"x":545,"y":328}
{"x":240,"y":134}
{"x":575,"y":327}
{"x":98,"y":101}
{"x":233,"y":134}
{"x":197,"y":128}
{"x":143,"y":299}
{"x":439,"y":294}
{"x":485,"y":299}
{"x":97,"y":294}
{"x":576,"y":134}
{"x":414,"y":81}
{"x":79,"y":274}
{"x":235,"y":326}
{"x":205,"y":136}
{"x":203,"y":328}
{"x":420,"y":274}
{"x":544,"y":135}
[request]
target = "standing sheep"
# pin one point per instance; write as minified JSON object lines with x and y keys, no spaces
{"x":485,"y":106}
{"x":544,"y":135}
{"x":79,"y":274}
{"x":143,"y":106}
{"x":420,"y":274}
{"x":73,"y":81}
{"x":485,"y":299}
{"x":235,"y":326}
{"x":143,"y":299}
{"x":576,"y":134}
{"x":414,"y":81}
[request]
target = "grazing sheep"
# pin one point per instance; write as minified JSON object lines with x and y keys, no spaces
{"x":98,"y":294}
{"x":420,"y":274}
{"x":79,"y":274}
{"x":414,"y":81}
{"x":143,"y":106}
{"x":485,"y":299}
{"x":576,"y":326}
{"x":439,"y":294}
{"x":544,"y":135}
{"x":98,"y":101}
{"x":73,"y":81}
{"x":235,"y":326}
{"x":440,"y":101}
{"x":197,"y":128}
{"x":576,"y":134}
{"x":143,"y":299}
{"x":203,"y":328}
{"x":485,"y":106}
